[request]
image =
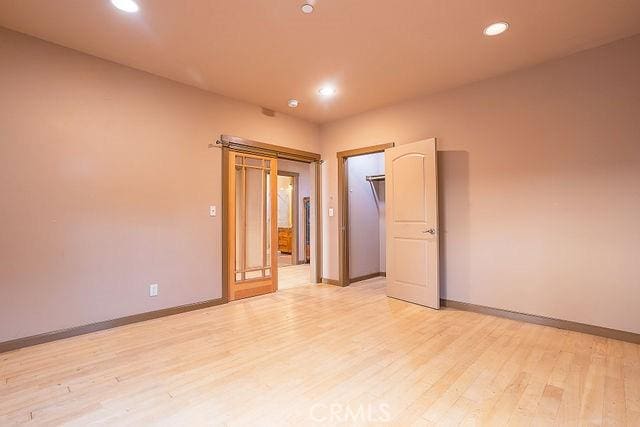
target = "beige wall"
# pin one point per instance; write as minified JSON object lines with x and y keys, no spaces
{"x":539,"y":185}
{"x":106,"y":179}
{"x":105,"y":184}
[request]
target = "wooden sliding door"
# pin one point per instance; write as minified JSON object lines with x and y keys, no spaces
{"x":252,"y":225}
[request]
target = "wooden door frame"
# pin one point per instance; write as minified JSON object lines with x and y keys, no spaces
{"x":234,"y":143}
{"x":343,"y":206}
{"x":294,"y":213}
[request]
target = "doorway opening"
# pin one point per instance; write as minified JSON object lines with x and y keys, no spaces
{"x":268,"y":223}
{"x":294,"y":190}
{"x":361,"y":205}
{"x":408,"y":208}
{"x":288,"y":189}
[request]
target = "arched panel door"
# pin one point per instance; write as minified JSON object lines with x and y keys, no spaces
{"x":412,"y":223}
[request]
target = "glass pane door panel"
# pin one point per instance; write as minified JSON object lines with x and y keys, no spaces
{"x":268,"y":219}
{"x":253,"y":218}
{"x":240,"y":229}
{"x":255,"y":221}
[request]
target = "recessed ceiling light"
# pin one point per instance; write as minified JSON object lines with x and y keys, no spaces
{"x":306,"y":8}
{"x":327,"y":91}
{"x":129,"y":6}
{"x":495,"y":29}
{"x":293,"y":103}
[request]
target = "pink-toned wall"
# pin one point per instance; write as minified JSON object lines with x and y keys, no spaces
{"x":105,"y":186}
{"x":539,"y":185}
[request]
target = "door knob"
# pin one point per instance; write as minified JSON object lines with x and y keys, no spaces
{"x":431,"y":231}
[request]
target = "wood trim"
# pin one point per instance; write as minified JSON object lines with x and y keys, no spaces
{"x":365,"y":150}
{"x":343,"y":222}
{"x":106,"y":324}
{"x":584,"y":328}
{"x":306,"y":217}
{"x":295,"y":256}
{"x":317,"y":256}
{"x":254,"y":292}
{"x":273,"y":264}
{"x":330,"y":281}
{"x":252,"y":283}
{"x":366,"y":277}
{"x":225,"y":219}
{"x":343,"y":206}
{"x":279,"y":151}
{"x":136,"y":318}
{"x":265,"y":186}
{"x":244,"y":221}
{"x":229,"y":187}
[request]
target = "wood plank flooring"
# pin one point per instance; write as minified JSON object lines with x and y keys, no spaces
{"x":324,"y":355}
{"x":293,"y":276}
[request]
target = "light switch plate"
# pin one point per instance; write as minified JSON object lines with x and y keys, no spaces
{"x":330,"y":211}
{"x":212,"y":210}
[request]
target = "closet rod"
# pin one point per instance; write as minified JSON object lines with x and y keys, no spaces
{"x":375,"y":178}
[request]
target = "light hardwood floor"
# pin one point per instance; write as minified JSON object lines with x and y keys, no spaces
{"x":293,"y":276}
{"x":297,"y":356}
{"x":284,"y":260}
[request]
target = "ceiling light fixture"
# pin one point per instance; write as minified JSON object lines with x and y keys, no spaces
{"x":327,"y":91}
{"x":495,"y":29}
{"x":306,"y":8}
{"x":293,"y":103}
{"x":128,"y":6}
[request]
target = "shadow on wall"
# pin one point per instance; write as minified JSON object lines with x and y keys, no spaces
{"x":453,"y":212}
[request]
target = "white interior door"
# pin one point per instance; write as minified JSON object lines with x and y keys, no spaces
{"x":412,"y":223}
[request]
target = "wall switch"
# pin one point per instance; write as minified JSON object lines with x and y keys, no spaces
{"x":153,"y":290}
{"x":330,"y":211}
{"x":212,"y":210}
